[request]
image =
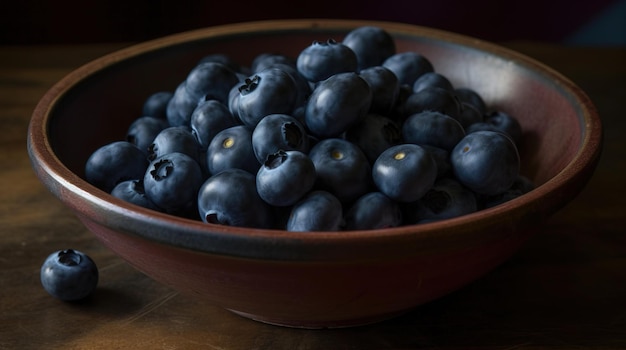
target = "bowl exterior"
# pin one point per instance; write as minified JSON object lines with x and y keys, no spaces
{"x":320,"y":279}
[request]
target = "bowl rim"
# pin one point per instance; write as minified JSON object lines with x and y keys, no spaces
{"x":198,"y":236}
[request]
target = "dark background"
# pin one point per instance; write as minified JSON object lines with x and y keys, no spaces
{"x":597,"y":22}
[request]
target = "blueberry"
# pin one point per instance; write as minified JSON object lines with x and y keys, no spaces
{"x":232,"y":148}
{"x":500,"y":122}
{"x":521,"y":185}
{"x":317,"y":211}
{"x":279,"y":132}
{"x":433,"y":99}
{"x":268,"y":59}
{"x":408,"y":66}
{"x":209,"y":118}
{"x":342,"y":169}
{"x":180,"y":106}
{"x":470,"y":96}
{"x":270,"y":91}
{"x":487,"y":162}
{"x":210,"y":79}
{"x":320,"y":60}
{"x":172,"y":182}
{"x":132,"y":191}
{"x":336,"y":104}
{"x":446,"y":199}
{"x":432,"y":80}
{"x":223,"y":59}
{"x":385,"y":88}
{"x":69,"y":275}
{"x":469,"y":115}
{"x":441,"y":158}
{"x":174,"y":139}
{"x":432,"y":128}
{"x":113,"y":163}
{"x":374,"y":134}
{"x":404,"y":172}
{"x":372,"y":45}
{"x":285,"y":177}
{"x":230,"y":198}
{"x":303,"y":86}
{"x":143,"y":130}
{"x":156,"y":104}
{"x":373,"y":210}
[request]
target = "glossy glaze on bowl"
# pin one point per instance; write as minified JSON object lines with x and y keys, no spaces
{"x":313,"y":280}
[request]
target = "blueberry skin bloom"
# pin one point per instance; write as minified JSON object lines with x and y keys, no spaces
{"x":487,"y":162}
{"x":446,"y":199}
{"x":317,"y":211}
{"x":285,"y":177}
{"x":209,"y":118}
{"x":372,"y":45}
{"x":132,"y":191}
{"x":336,"y":104}
{"x":172,"y":182}
{"x":342,"y":169}
{"x":269,"y":91}
{"x":320,"y":60}
{"x":404,"y":172}
{"x":232,"y":148}
{"x":69,"y":275}
{"x":230,"y":198}
{"x":385,"y":88}
{"x":143,"y":130}
{"x":408,"y":66}
{"x":212,"y":79}
{"x":373,"y":210}
{"x":279,"y":132}
{"x":434,"y":129}
{"x":113,"y":163}
{"x":175,"y":139}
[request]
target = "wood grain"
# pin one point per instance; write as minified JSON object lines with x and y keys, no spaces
{"x":565,"y":289}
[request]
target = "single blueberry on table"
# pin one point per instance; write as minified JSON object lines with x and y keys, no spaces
{"x":404,"y":172}
{"x":285,"y":177}
{"x":487,"y":162}
{"x":373,"y":210}
{"x":230,"y":198}
{"x":232,"y":148}
{"x":69,"y":275}
{"x":113,"y":163}
{"x":318,"y":211}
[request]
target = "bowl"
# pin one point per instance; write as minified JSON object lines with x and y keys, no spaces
{"x":321,"y":279}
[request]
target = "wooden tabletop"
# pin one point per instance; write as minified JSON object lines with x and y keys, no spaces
{"x":566,"y":289}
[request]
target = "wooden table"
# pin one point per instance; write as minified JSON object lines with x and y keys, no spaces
{"x":566,"y":289}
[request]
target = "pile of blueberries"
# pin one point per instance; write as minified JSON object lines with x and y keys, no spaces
{"x":348,"y":135}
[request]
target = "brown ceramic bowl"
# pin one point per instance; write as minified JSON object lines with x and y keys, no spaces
{"x":315,"y":280}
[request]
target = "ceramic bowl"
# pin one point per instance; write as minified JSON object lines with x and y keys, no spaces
{"x":317,"y":280}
